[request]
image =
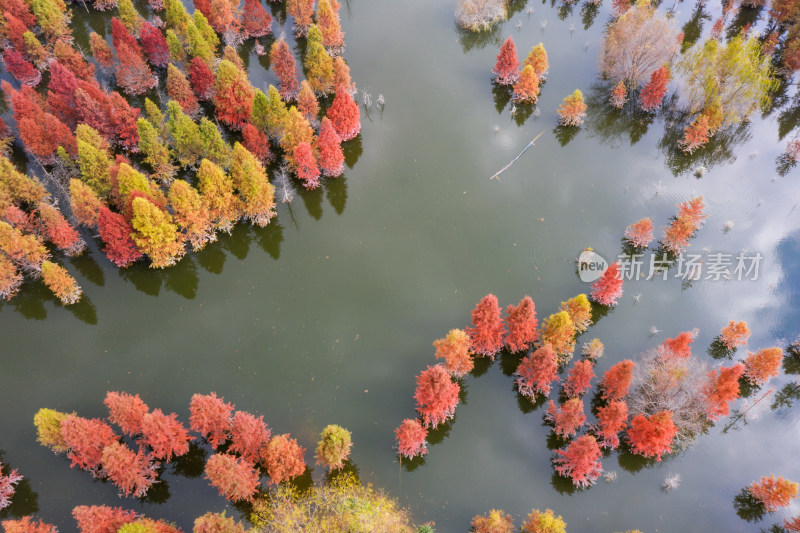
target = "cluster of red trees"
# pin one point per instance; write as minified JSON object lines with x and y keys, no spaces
{"x":689,"y":218}
{"x":147,"y":438}
{"x":640,"y":411}
{"x":525,"y":82}
{"x":104,"y":519}
{"x":87,"y":134}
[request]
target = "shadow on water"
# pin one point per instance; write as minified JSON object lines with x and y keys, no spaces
{"x":589,"y":13}
{"x":192,"y":463}
{"x":610,"y":125}
{"x":471,"y":40}
{"x":694,"y":26}
{"x":747,"y":507}
{"x":25,"y":500}
{"x":565,"y":134}
{"x":336,"y":192}
{"x":718,"y":350}
{"x":718,"y":151}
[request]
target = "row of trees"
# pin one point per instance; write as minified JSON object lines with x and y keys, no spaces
{"x":437,"y":391}
{"x":130,"y":459}
{"x":117,"y":164}
{"x":658,"y":404}
{"x":683,"y":227}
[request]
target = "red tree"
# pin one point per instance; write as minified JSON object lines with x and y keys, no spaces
{"x":695,"y":135}
{"x":131,"y":472}
{"x":792,"y":525}
{"x":211,"y":417}
{"x":233,"y":96}
{"x":579,"y":378}
{"x":27,"y":525}
{"x":283,"y":65}
{"x":154,"y":45}
{"x":652,"y":437}
{"x":653,"y":93}
{"x":617,"y":380}
{"x":249,"y":434}
{"x":640,"y":234}
{"x":306,"y":166}
{"x":678,"y":233}
{"x":608,"y":289}
{"x":126,"y":411}
{"x":722,"y":388}
{"x":411,"y":435}
{"x":178,"y":89}
{"x":122,"y":38}
{"x":678,"y":348}
{"x":61,"y":94}
{"x":344,"y":114}
{"x":536,"y":372}
{"x":257,"y":20}
{"x":55,"y":229}
{"x":21,"y":10}
{"x":86,"y":439}
{"x":568,"y":418}
{"x":256,"y":142}
{"x":302,"y":11}
{"x":580,"y":461}
{"x":234,"y":477}
{"x":101,"y":51}
{"x":506,"y":68}
{"x":329,"y":146}
{"x":734,"y":334}
{"x":115,"y":232}
{"x":14,"y":31}
{"x":202,"y":78}
{"x":436,"y":395}
{"x":619,"y":95}
{"x":133,"y":75}
{"x":307,"y":102}
{"x":165,"y":435}
{"x":73,"y":60}
{"x":487,"y":333}
{"x":522,"y":325}
{"x":774,"y":493}
{"x":454,"y":349}
{"x":21,"y":68}
{"x":763,"y":365}
{"x":7,"y":487}
{"x":283,"y":458}
{"x":101,"y":518}
{"x":694,"y":209}
{"x":217,"y":523}
{"x":611,"y":419}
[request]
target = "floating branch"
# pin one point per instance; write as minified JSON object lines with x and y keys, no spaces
{"x":497,"y":174}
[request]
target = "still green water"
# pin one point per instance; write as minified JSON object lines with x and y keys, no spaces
{"x":327,"y":315}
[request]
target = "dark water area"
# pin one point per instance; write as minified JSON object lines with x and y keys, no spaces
{"x":328,"y":314}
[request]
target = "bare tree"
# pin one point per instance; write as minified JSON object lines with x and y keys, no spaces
{"x":479,"y":15}
{"x":638,"y":43}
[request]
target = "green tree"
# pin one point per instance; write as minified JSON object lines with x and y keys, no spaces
{"x":191,"y":214}
{"x":156,"y":154}
{"x":129,"y":16}
{"x":736,"y":75}
{"x":93,"y":160}
{"x":184,"y":135}
{"x":176,"y":16}
{"x":212,"y":144}
{"x":318,"y":64}
{"x":216,"y":190}
{"x":255,"y":190}
{"x":198,"y":46}
{"x":155,"y":234}
{"x":269,"y":112}
{"x":176,"y":51}
{"x":205,"y":29}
